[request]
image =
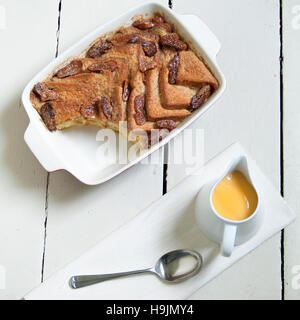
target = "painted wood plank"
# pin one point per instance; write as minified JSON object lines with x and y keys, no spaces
{"x":28,"y":42}
{"x":291,"y":116}
{"x":79,"y":216}
{"x":166,"y":225}
{"x":249,"y":112}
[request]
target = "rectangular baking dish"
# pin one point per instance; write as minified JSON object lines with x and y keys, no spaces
{"x":75,"y":150}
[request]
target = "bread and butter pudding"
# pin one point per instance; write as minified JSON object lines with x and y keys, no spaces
{"x":143,"y":74}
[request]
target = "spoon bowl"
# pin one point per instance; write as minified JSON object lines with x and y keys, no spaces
{"x":174,"y":266}
{"x":178,"y":265}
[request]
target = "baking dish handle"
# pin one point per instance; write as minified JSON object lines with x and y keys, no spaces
{"x":40,"y":149}
{"x":196,"y":26}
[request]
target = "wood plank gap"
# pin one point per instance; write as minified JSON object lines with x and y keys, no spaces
{"x":166,"y":147}
{"x":165,"y":169}
{"x":281,"y":147}
{"x":45,"y":226}
{"x":58,"y":28}
{"x":48,"y":174}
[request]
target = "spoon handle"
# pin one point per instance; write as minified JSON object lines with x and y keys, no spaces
{"x":87,"y":280}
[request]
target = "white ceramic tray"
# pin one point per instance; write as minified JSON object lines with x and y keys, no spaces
{"x":75,"y":149}
{"x":167,"y":224}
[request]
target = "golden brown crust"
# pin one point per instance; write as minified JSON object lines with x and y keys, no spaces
{"x":155,"y":109}
{"x":143,"y":73}
{"x":173,"y":96}
{"x":193,"y":72}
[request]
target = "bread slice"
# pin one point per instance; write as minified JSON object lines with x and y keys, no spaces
{"x":192,"y":72}
{"x":174,"y":96}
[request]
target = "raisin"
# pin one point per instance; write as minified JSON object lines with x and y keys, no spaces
{"x":149,"y":48}
{"x":89,"y":112}
{"x":201,"y":97}
{"x":173,"y":68}
{"x":166,"y":124}
{"x":143,"y":24}
{"x":171,"y":40}
{"x":139,"y":102}
{"x":134,"y":38}
{"x":74,"y":67}
{"x":99,"y":67}
{"x":48,"y":116}
{"x":99,"y":48}
{"x":158,"y":20}
{"x":44,"y":93}
{"x":106,"y":107}
{"x":126,"y":90}
{"x":140,"y":118}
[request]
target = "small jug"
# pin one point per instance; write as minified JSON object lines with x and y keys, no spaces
{"x":226,"y":232}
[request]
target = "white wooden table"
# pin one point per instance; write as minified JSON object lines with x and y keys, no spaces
{"x":47,"y":220}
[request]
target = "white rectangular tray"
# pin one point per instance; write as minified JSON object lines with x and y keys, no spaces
{"x":75,"y":149}
{"x":167,"y":224}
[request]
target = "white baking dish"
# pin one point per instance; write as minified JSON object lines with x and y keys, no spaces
{"x":75,"y":149}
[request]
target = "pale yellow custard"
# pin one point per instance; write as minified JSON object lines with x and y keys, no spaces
{"x":234,"y":197}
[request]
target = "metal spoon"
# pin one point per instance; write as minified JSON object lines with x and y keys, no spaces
{"x":174,"y":266}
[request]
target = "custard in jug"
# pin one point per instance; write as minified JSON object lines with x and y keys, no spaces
{"x":234,"y":197}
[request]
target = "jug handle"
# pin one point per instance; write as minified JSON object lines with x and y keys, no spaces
{"x":228,"y":241}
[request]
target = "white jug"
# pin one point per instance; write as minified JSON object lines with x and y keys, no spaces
{"x":227,"y":232}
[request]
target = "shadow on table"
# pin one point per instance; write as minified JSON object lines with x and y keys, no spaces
{"x":64,"y":187}
{"x":21,"y":163}
{"x":24,"y":168}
